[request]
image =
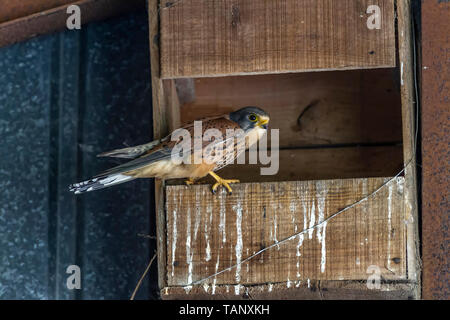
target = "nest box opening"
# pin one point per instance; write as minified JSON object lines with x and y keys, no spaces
{"x":334,"y":124}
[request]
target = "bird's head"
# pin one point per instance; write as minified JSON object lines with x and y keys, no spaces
{"x":249,"y":118}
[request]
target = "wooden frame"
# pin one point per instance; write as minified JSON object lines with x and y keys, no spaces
{"x":166,"y":101}
{"x":21,"y":20}
{"x":280,"y":36}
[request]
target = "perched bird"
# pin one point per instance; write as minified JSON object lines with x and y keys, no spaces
{"x":241,"y":129}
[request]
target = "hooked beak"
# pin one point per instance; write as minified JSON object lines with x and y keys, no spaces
{"x":263,"y":123}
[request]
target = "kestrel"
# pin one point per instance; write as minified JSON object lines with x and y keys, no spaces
{"x":171,"y":158}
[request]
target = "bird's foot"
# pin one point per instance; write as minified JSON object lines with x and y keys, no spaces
{"x":225,"y":183}
{"x":189,"y":182}
{"x":222,"y":182}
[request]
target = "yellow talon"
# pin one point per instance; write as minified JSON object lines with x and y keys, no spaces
{"x":189,"y":182}
{"x":222,"y":182}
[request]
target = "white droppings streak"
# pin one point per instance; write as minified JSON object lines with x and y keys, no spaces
{"x":198,"y":214}
{"x":222,"y":219}
{"x":208,"y":250}
{"x":401,"y":74}
{"x":189,"y":255}
{"x":389,"y":226}
{"x":321,"y":195}
{"x":237,"y":289}
{"x":174,"y":239}
{"x":213,"y":291}
{"x":270,"y":287}
{"x":305,"y":215}
{"x":312,"y":220}
{"x":323,"y":241}
{"x":275,"y":228}
{"x":293,"y":209}
{"x":365,"y":193}
{"x":289,"y":269}
{"x":208,"y":246}
{"x":400,"y":185}
{"x":248,"y":264}
{"x":238,"y":248}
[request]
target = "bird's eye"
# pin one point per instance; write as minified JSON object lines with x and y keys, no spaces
{"x":252,"y":117}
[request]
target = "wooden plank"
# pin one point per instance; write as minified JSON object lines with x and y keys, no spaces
{"x":409,"y":127}
{"x":224,"y":37}
{"x":172,"y":104}
{"x":210,"y":233}
{"x":360,"y":106}
{"x":160,"y":129}
{"x":299,"y":290}
{"x":16,"y":9}
{"x":21,"y":20}
{"x":320,"y":164}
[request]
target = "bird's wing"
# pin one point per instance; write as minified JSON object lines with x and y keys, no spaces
{"x":132,"y":152}
{"x":163,"y":150}
{"x":136,"y":151}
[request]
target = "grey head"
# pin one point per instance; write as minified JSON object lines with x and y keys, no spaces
{"x":250,"y":117}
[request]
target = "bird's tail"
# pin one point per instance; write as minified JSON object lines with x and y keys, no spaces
{"x":99,"y":183}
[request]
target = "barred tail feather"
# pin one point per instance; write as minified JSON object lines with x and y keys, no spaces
{"x":99,"y":183}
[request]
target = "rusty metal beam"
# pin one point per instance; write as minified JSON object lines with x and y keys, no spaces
{"x":435,"y":148}
{"x":20,"y":20}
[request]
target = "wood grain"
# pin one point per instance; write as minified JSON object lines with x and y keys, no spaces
{"x":24,"y":19}
{"x":360,"y":106}
{"x":224,"y":37}
{"x":16,"y":9}
{"x":160,"y":129}
{"x":208,"y":233}
{"x":301,"y":290}
{"x":409,"y":127}
{"x":172,"y":103}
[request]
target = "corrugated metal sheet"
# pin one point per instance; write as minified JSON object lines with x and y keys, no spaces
{"x":63,"y":99}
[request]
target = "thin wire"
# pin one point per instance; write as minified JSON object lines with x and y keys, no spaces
{"x":142,"y":277}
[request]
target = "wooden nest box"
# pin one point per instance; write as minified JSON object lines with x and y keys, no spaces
{"x":340,"y":210}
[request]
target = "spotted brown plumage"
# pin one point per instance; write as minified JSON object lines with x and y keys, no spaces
{"x":239,"y":129}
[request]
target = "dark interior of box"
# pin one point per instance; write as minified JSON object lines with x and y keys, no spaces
{"x":336,"y":124}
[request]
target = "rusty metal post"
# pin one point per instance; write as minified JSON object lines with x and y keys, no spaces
{"x":435,"y":148}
